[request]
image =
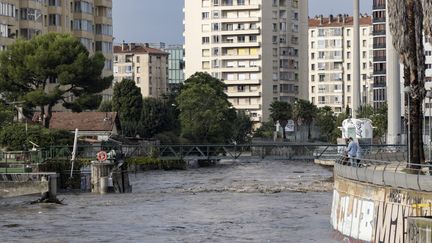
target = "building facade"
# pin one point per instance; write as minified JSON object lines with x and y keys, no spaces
{"x":331,"y":61}
{"x":379,"y":53}
{"x":89,"y":20}
{"x":176,"y":63}
{"x":257,"y":47}
{"x":147,"y":66}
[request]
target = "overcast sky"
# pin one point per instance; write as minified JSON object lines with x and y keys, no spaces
{"x":162,"y":20}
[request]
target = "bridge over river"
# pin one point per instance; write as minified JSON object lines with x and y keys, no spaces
{"x":269,"y":151}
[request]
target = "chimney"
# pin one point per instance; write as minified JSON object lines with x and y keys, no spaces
{"x":147,"y":45}
{"x":345,"y":18}
{"x":321,"y":19}
{"x":340,"y":18}
{"x":124,"y":46}
{"x":330,"y":18}
{"x":132,"y":46}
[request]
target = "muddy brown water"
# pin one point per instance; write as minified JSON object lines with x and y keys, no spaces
{"x":259,"y":201}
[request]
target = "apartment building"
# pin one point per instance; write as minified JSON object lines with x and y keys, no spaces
{"x":379,"y":53}
{"x":257,"y":47}
{"x":89,"y":20}
{"x":147,"y":66}
{"x":176,"y":63}
{"x":331,"y":61}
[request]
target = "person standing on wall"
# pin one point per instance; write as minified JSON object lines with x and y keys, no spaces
{"x":352,"y":151}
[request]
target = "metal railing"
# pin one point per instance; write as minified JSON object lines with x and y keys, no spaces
{"x":393,"y":173}
{"x":277,"y":151}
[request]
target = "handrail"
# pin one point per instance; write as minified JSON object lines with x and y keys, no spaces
{"x":395,"y":174}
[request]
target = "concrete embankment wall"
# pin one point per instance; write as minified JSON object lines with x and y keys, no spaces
{"x":375,"y":213}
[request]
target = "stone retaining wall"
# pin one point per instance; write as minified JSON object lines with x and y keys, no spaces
{"x":370,"y":210}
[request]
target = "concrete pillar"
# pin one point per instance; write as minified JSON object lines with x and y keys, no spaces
{"x":356,"y":87}
{"x":393,"y":90}
{"x":103,"y":185}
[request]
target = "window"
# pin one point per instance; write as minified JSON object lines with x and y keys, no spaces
{"x":205,"y":15}
{"x":206,"y":40}
{"x":83,"y":7}
{"x":54,"y":20}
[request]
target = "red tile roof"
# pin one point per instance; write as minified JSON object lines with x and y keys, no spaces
{"x":138,"y":49}
{"x":84,"y":121}
{"x":336,"y":21}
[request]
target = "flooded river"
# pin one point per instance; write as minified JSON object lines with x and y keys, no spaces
{"x":262,"y":201}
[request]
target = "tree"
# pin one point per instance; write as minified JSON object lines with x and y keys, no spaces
{"x":266,"y":130}
{"x":409,"y":21}
{"x":127,"y":101}
{"x":204,"y":110}
{"x":326,"y":121}
{"x":365,"y":111}
{"x":281,"y":112}
{"x":49,"y":69}
{"x":305,"y":111}
{"x":16,"y":136}
{"x":377,"y":116}
{"x":6,"y":114}
{"x":105,"y":106}
{"x":158,"y":116}
{"x":379,"y":120}
{"x":242,"y":128}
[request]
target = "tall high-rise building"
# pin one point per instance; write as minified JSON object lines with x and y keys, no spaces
{"x":89,"y":20}
{"x":331,"y":71}
{"x":257,"y":47}
{"x":147,"y":66}
{"x":379,"y":52}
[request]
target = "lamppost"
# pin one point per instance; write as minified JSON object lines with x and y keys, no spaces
{"x":407,"y":90}
{"x":429,"y":95}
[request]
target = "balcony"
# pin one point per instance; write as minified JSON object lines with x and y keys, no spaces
{"x":244,"y":94}
{"x":237,"y":57}
{"x":379,"y":46}
{"x":241,"y":82}
{"x":379,"y":59}
{"x":248,"y":107}
{"x":379,"y":20}
{"x":289,"y":92}
{"x":379,"y":6}
{"x":240,"y":44}
{"x":238,"y":7}
{"x":256,"y":31}
{"x":239,"y":69}
{"x":225,"y":19}
{"x":379,"y":32}
{"x":378,"y":72}
{"x":105,"y":3}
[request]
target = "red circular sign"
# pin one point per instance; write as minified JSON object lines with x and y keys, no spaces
{"x":102,"y":156}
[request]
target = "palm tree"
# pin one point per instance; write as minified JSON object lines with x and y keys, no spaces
{"x":306,"y":112}
{"x":281,"y":112}
{"x":409,"y":20}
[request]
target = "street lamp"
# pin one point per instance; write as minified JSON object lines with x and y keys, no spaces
{"x":407,"y":91}
{"x":429,"y":95}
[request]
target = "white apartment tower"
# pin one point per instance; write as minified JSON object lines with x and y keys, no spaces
{"x":258,"y":47}
{"x":331,"y":72}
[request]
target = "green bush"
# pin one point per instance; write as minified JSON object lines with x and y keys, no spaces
{"x":15,"y":137}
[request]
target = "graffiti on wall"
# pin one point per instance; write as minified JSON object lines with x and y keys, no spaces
{"x":391,"y":222}
{"x":353,"y":216}
{"x":377,"y":221}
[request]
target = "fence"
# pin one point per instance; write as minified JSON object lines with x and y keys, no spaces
{"x":396,"y":174}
